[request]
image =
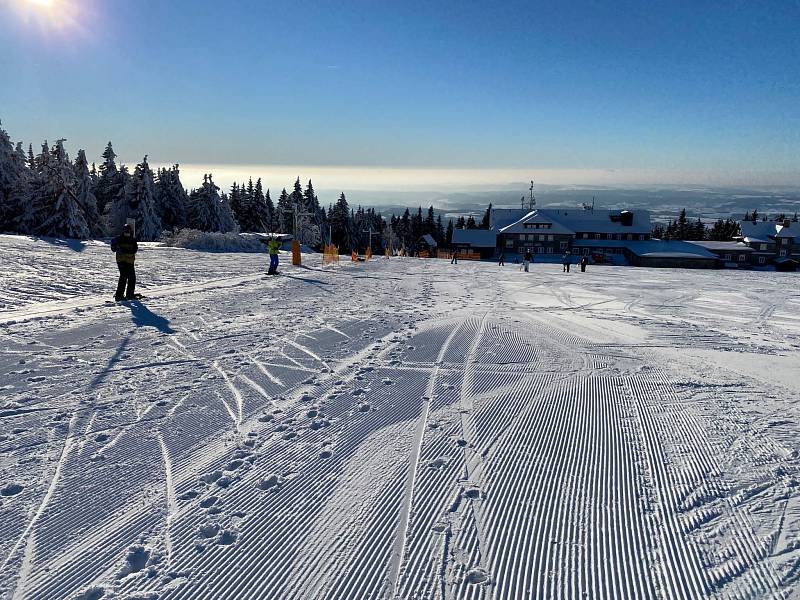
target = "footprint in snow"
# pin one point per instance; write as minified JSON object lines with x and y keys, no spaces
{"x":11,"y":489}
{"x":439,"y":463}
{"x":208,"y":530}
{"x":209,"y":502}
{"x":94,"y":592}
{"x":211,"y":477}
{"x":135,"y":561}
{"x":188,"y":495}
{"x":101,"y":438}
{"x":270,"y":483}
{"x":364,"y":407}
{"x":477,"y":576}
{"x":473,"y":493}
{"x":325,"y":454}
{"x":227,"y":537}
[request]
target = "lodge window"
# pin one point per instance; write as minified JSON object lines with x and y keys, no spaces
{"x":597,"y":236}
{"x":630,"y":236}
{"x":763,"y":246}
{"x":549,"y":238}
{"x":742,"y":258}
{"x":761,"y":260}
{"x":563,"y":245}
{"x":728,"y":257}
{"x":509,"y":243}
{"x":783,"y":252}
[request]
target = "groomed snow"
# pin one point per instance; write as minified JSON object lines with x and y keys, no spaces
{"x":403,"y":428}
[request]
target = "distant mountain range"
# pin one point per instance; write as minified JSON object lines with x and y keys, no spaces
{"x":664,"y":203}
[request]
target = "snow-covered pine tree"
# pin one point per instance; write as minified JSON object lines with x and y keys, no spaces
{"x":13,"y":173}
{"x":65,"y":216}
{"x":272,"y":217}
{"x":210,"y":212}
{"x":171,"y":199}
{"x":118,"y":207}
{"x":226,"y":220}
{"x":110,"y":182}
{"x":258,"y":215}
{"x":285,"y":213}
{"x":142,"y":202}
{"x":84,"y":191}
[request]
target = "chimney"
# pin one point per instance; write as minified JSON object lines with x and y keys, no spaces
{"x":626,"y":218}
{"x":786,"y":222}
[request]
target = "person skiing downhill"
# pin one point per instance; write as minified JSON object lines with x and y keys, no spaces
{"x":125,"y":247}
{"x":565,"y":260}
{"x":274,"y":245}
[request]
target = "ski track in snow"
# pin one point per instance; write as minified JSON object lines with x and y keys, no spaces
{"x":426,"y":431}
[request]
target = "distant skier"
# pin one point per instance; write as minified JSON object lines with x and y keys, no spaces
{"x":565,"y":260}
{"x":273,"y":246}
{"x":502,"y":262}
{"x":454,"y":260}
{"x":125,"y":247}
{"x":584,"y":262}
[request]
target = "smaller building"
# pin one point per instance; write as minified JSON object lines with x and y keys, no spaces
{"x":673,"y":254}
{"x":732,"y":254}
{"x":773,"y":242}
{"x":478,"y":241}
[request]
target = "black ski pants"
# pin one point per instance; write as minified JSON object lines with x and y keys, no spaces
{"x":127,"y":277}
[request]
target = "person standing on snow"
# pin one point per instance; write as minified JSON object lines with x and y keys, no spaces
{"x":565,"y":260}
{"x":454,"y":260}
{"x":502,"y":262}
{"x":125,"y":247}
{"x":584,"y":262}
{"x":273,"y":246}
{"x":527,"y":260}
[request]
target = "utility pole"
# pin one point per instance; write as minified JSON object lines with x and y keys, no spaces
{"x":370,"y":232}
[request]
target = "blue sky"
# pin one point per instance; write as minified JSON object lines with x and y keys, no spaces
{"x":689,"y":90}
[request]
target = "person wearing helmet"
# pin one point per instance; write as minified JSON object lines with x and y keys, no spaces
{"x":125,"y":247}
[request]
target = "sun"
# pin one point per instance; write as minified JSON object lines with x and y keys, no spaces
{"x":42,"y":3}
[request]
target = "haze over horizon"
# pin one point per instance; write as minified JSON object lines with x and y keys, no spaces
{"x":418,"y":96}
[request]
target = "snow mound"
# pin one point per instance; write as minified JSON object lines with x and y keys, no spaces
{"x":211,"y":241}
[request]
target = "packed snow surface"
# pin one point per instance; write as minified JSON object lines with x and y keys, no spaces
{"x":401,"y":428}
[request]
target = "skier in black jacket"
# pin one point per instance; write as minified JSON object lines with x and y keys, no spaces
{"x":125,"y":247}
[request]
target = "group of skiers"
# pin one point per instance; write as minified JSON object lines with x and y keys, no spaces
{"x":125,"y":248}
{"x":527,"y":259}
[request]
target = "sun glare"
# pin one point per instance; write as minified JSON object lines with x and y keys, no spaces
{"x":49,"y":14}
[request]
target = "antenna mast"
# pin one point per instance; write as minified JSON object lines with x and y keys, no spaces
{"x":532,"y":202}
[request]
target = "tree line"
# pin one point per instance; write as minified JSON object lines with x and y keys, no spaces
{"x":48,"y":194}
{"x":683,"y":228}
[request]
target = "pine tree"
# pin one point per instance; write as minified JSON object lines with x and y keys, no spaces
{"x":429,"y":224}
{"x":84,"y":191}
{"x":65,"y":216}
{"x":110,"y":183}
{"x":260,"y":215}
{"x":208,"y":211}
{"x":13,"y":174}
{"x":117,"y":210}
{"x":471,"y":223}
{"x":440,"y":239}
{"x":272,"y":217}
{"x":486,"y":217}
{"x":142,"y":203}
{"x":448,"y":236}
{"x":171,"y":199}
{"x":461,"y":223}
{"x":285,"y":213}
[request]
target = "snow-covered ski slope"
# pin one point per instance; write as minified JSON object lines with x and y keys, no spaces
{"x":397,"y":429}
